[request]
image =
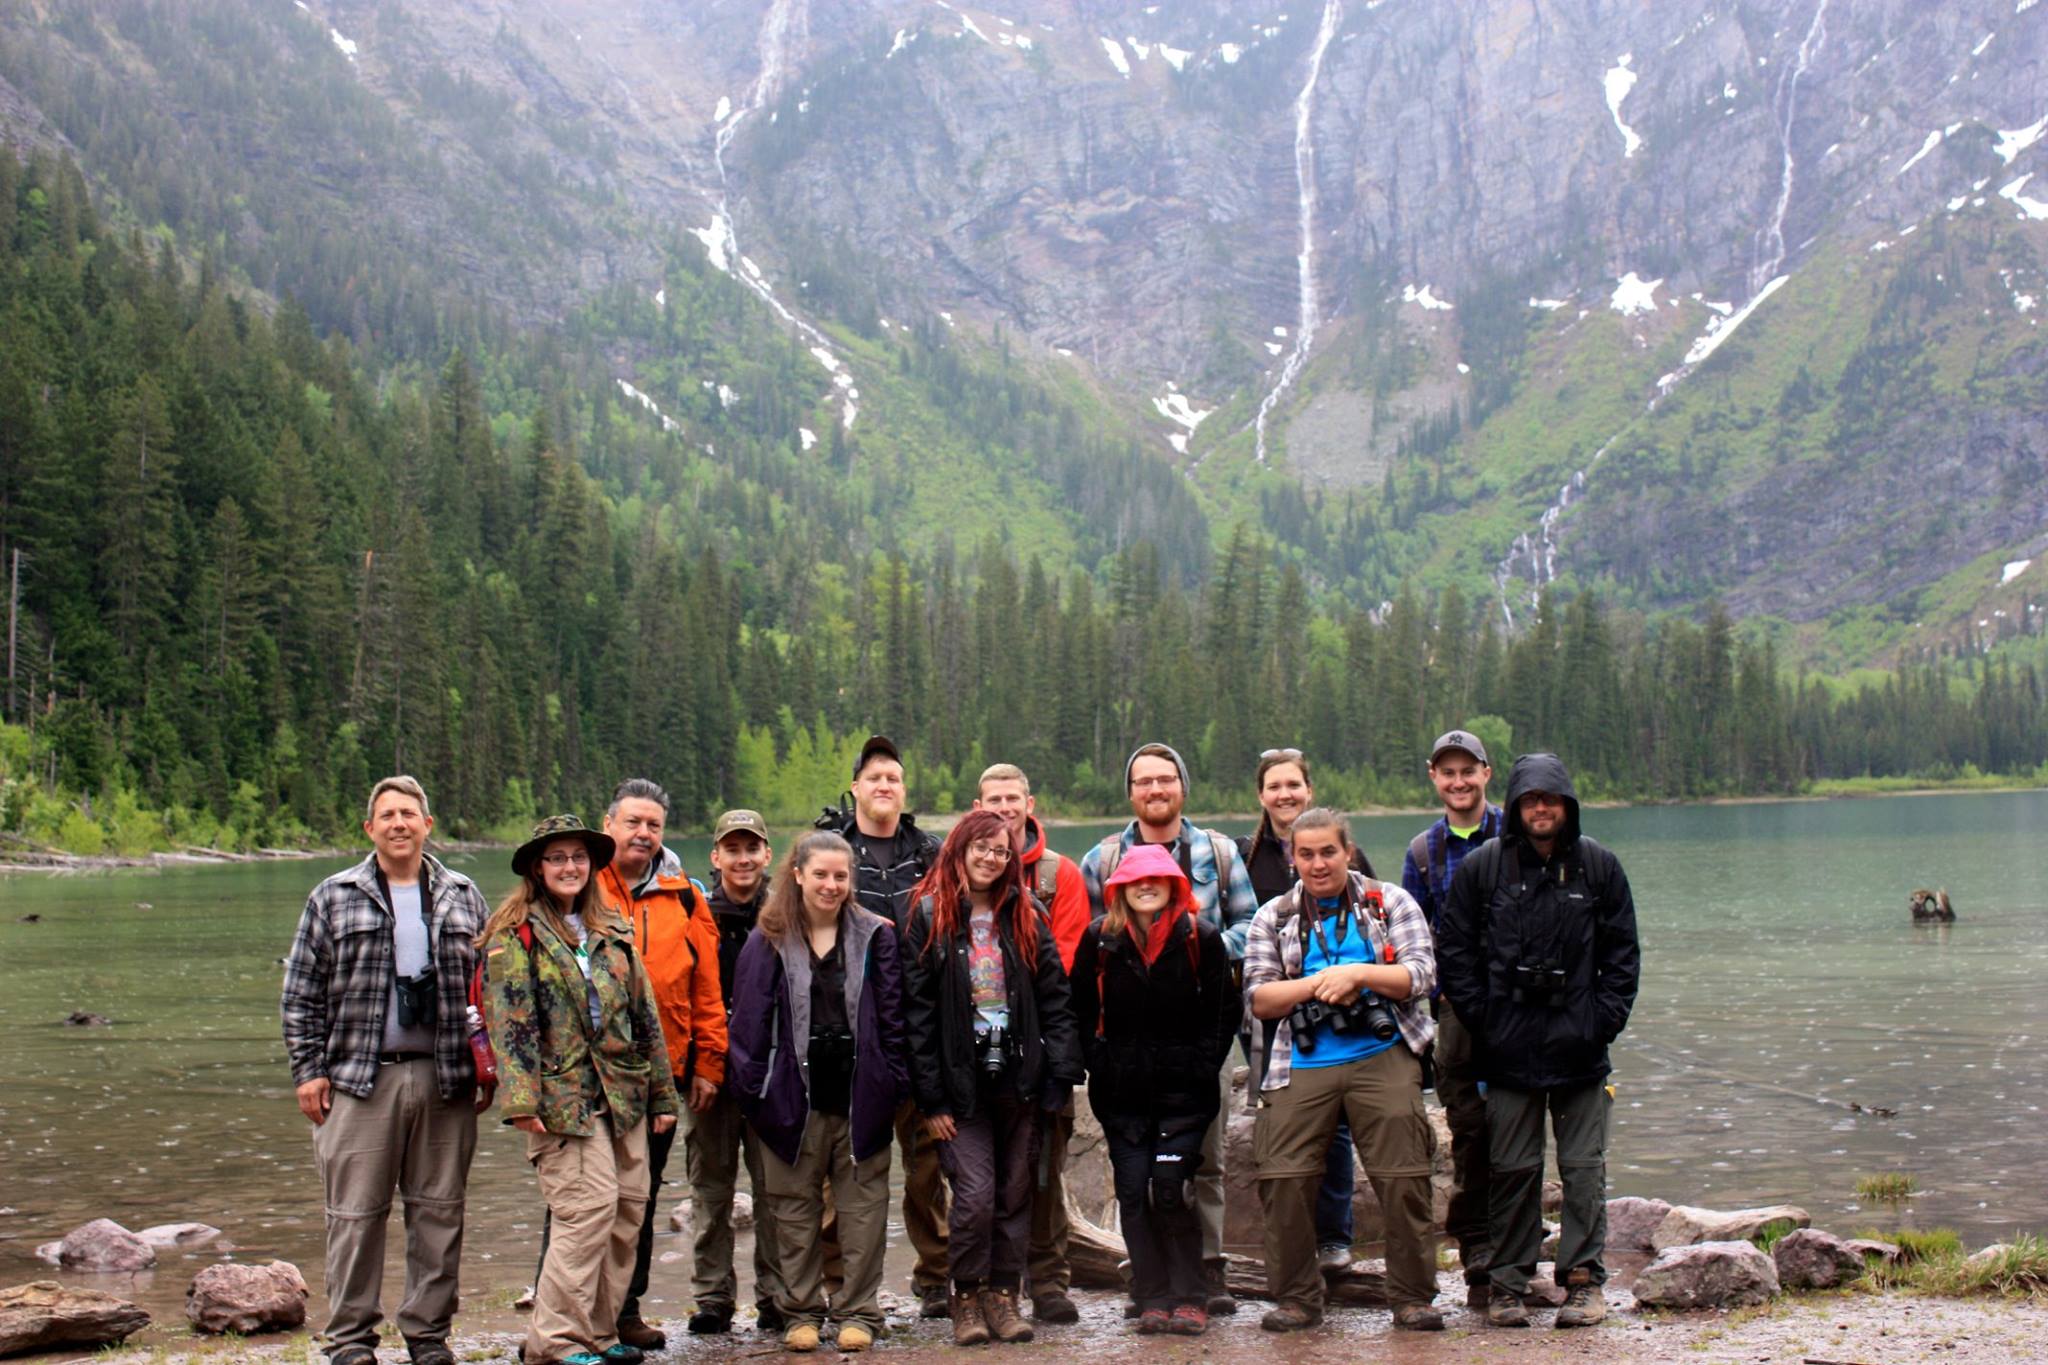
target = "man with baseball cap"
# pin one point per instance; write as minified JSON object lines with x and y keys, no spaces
{"x":890,"y":856}
{"x":1459,"y":771}
{"x":719,"y":1138}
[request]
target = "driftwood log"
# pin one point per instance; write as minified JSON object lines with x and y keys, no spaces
{"x":1095,"y":1258}
{"x":1932,"y":906}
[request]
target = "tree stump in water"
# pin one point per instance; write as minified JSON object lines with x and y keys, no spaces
{"x":1930,"y":906}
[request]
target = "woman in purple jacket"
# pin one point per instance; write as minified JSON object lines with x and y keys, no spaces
{"x":816,"y":1057}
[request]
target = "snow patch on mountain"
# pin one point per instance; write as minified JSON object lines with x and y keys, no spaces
{"x":1633,"y":294}
{"x":1619,"y":80}
{"x":1115,"y":50}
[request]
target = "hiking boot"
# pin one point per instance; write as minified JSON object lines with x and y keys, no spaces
{"x":705,"y":1322}
{"x":637,"y":1331}
{"x":853,"y":1338}
{"x":969,"y":1327}
{"x":1333,"y":1258}
{"x":802,"y":1338}
{"x":1221,"y":1302}
{"x":1505,"y":1310}
{"x":934,"y":1302}
{"x":1132,"y":1310}
{"x":1153,"y":1321}
{"x":1584,"y":1304}
{"x":1054,"y":1307}
{"x":999,"y":1310}
{"x":1477,"y":1296}
{"x":1189,"y":1320}
{"x":1291,"y":1317}
{"x":768,"y":1318}
{"x":1418,"y":1317}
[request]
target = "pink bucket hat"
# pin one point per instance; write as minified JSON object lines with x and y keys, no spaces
{"x":1147,"y":860}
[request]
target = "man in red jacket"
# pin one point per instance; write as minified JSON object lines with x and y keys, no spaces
{"x":1055,"y":880}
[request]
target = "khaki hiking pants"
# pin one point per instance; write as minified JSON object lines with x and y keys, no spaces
{"x":596,"y":1191}
{"x":403,"y":1137}
{"x":717,"y":1144}
{"x":796,"y":1212}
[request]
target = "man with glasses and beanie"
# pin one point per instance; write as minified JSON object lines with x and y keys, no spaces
{"x":890,"y":856}
{"x":1539,"y":958}
{"x":1157,"y":781}
{"x":1459,"y":771}
{"x":375,"y":998}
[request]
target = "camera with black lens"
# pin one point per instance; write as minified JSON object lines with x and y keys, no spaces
{"x":1540,"y":984}
{"x":418,"y":1000}
{"x":836,"y":817}
{"x":992,"y":1048}
{"x":832,"y":1049}
{"x":1367,"y":1014}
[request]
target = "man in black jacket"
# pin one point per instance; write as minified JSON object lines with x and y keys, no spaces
{"x":1537,"y":953}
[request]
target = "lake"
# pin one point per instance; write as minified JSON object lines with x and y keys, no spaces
{"x":1782,"y":982}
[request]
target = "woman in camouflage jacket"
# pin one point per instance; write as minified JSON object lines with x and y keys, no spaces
{"x":583,"y":1072}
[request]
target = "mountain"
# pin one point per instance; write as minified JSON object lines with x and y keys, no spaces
{"x":1669,"y":302}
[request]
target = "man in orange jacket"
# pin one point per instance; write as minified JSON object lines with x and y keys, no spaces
{"x":678,"y":944}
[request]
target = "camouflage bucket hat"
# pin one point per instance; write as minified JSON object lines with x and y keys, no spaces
{"x":563,"y":827}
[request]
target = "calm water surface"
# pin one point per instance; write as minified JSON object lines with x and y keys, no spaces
{"x":1782,"y":981}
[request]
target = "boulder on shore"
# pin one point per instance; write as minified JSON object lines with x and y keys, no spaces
{"x":177,"y":1235}
{"x":43,"y":1314}
{"x":1632,"y":1222}
{"x":105,"y":1246}
{"x":1686,"y":1225}
{"x":1708,"y":1275}
{"x":1888,"y":1252}
{"x":1812,"y":1259}
{"x":247,"y":1299}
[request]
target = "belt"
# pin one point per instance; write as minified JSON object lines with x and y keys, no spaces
{"x":393,"y":1058}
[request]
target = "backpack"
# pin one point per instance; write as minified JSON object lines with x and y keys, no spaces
{"x":480,"y":1041}
{"x":1111,"y":851}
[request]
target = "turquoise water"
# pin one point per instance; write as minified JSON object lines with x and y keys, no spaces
{"x":1782,"y":981}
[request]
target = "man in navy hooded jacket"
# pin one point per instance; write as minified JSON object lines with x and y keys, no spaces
{"x":1537,"y":953}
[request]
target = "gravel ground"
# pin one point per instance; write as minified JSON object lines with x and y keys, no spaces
{"x":1851,"y":1328}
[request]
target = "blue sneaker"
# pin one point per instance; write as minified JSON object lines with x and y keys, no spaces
{"x":583,"y":1358}
{"x":622,"y":1353}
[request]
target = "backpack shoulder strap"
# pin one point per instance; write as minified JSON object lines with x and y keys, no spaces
{"x":1111,"y":850}
{"x":1047,"y":882}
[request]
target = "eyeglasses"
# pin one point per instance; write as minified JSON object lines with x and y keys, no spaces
{"x":1166,"y":780}
{"x":1291,"y":755}
{"x":998,"y":852}
{"x":580,"y":858}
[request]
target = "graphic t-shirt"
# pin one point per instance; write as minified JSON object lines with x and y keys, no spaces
{"x":985,"y":967}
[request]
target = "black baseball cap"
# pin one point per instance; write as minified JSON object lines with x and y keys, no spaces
{"x":877,"y":744}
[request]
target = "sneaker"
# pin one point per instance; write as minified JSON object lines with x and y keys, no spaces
{"x":854,"y":1337}
{"x":1054,"y":1307}
{"x":583,"y":1358}
{"x":1189,"y":1320}
{"x":768,"y":1318}
{"x":934,"y":1302}
{"x":637,"y":1331}
{"x":1153,"y":1321}
{"x":622,"y":1353}
{"x":999,"y":1310}
{"x":969,"y":1327}
{"x":1333,"y":1258}
{"x":709,"y":1322}
{"x":801,"y":1338}
{"x":1418,"y":1317}
{"x":1584,"y":1304}
{"x":1221,"y":1302}
{"x":1291,"y":1317}
{"x":1506,"y":1310}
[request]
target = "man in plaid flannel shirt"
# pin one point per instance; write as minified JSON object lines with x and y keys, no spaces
{"x":1334,"y":942}
{"x":375,"y":993}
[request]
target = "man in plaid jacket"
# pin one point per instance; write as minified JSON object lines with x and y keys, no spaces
{"x":1337,"y":975}
{"x":375,"y":990}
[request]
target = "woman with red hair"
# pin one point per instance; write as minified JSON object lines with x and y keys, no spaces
{"x":992,"y":1053}
{"x":1156,"y":1012}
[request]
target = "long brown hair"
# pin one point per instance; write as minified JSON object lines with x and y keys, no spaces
{"x":784,"y":908}
{"x":1116,"y":914}
{"x":531,"y":900}
{"x":1272,"y":759}
{"x":946,"y":884}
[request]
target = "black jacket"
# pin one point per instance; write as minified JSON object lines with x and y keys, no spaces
{"x":1265,"y":861}
{"x":1574,"y":910}
{"x":938,"y":1016}
{"x":735,"y":920}
{"x":885,"y":870}
{"x":1155,"y":1037}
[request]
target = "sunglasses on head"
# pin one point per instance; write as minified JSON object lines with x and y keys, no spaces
{"x":1291,"y":755}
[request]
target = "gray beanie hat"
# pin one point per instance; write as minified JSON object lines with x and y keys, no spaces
{"x":1179,"y":765}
